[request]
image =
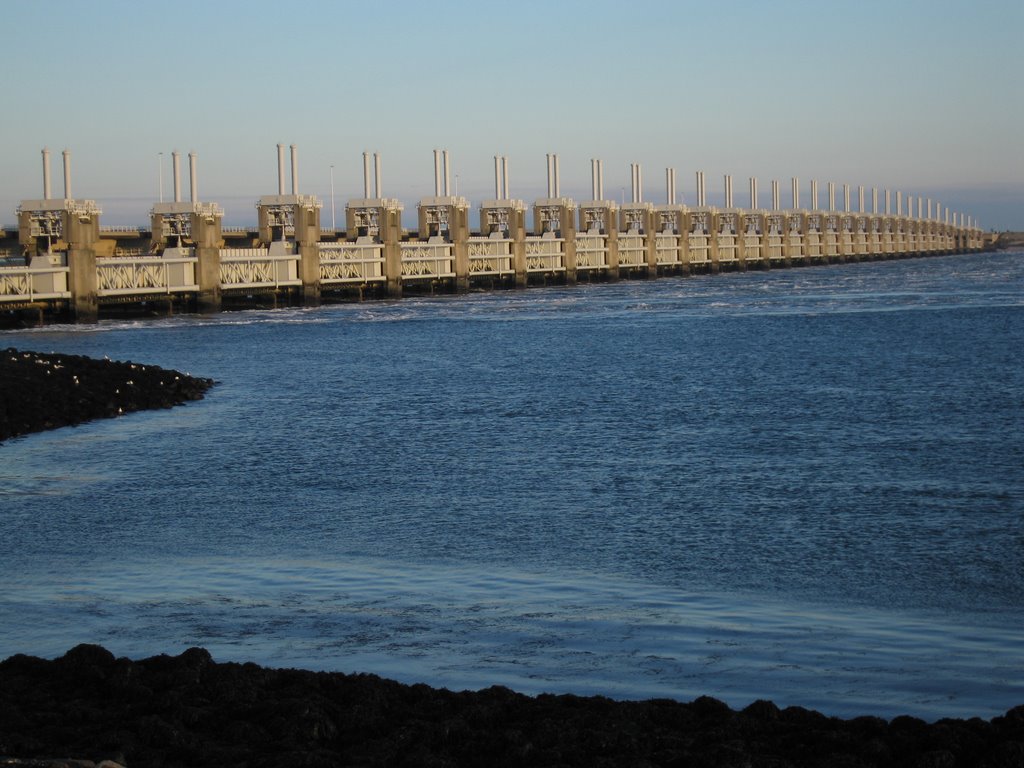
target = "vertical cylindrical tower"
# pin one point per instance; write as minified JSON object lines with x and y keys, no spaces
{"x":796,"y":192}
{"x":753,"y":193}
{"x":366,"y":175}
{"x":447,"y":174}
{"x":193,"y":179}
{"x":46,"y":174}
{"x":176,"y":172}
{"x":504,"y":177}
{"x":378,"y":184}
{"x":437,"y":173}
{"x":775,"y":195}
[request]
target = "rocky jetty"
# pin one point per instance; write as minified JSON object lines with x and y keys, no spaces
{"x":188,"y":710}
{"x":46,"y":391}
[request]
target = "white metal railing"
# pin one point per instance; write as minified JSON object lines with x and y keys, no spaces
{"x":632,"y":250}
{"x":666,"y":248}
{"x":427,"y":260}
{"x":591,"y":252}
{"x":351,"y":263}
{"x":490,"y":256}
{"x":146,"y":275}
{"x":545,"y":254}
{"x":256,"y":268}
{"x":25,"y":284}
{"x":120,"y":229}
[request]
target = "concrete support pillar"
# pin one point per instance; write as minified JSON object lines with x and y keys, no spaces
{"x":568,"y":221}
{"x":82,"y":232}
{"x":612,"y":244}
{"x":517,"y":232}
{"x":805,"y":228}
{"x":684,"y":227}
{"x":766,"y":260}
{"x":208,"y":240}
{"x":651,"y":243}
{"x":458,"y":230}
{"x":788,"y":249}
{"x":713,"y":254}
{"x":391,"y":237}
{"x":307,"y":243}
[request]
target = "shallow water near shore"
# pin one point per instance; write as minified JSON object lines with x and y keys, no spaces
{"x":804,"y":485}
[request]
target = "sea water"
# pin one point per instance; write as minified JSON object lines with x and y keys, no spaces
{"x":805,"y":485}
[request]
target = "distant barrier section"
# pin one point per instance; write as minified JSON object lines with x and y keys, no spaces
{"x":63,"y":263}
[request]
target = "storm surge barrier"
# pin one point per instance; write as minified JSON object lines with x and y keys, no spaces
{"x":61,"y":263}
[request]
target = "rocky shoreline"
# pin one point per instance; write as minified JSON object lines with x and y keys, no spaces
{"x":46,"y":391}
{"x":189,"y":710}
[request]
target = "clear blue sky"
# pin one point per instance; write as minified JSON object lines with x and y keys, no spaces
{"x":924,"y":97}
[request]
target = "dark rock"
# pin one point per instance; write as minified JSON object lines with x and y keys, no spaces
{"x":45,"y":391}
{"x":188,"y":710}
{"x":763,"y":710}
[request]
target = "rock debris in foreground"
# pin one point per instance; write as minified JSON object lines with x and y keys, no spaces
{"x":188,"y":710}
{"x":45,"y":391}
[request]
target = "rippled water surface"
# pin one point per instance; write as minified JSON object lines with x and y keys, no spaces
{"x":804,"y":485}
